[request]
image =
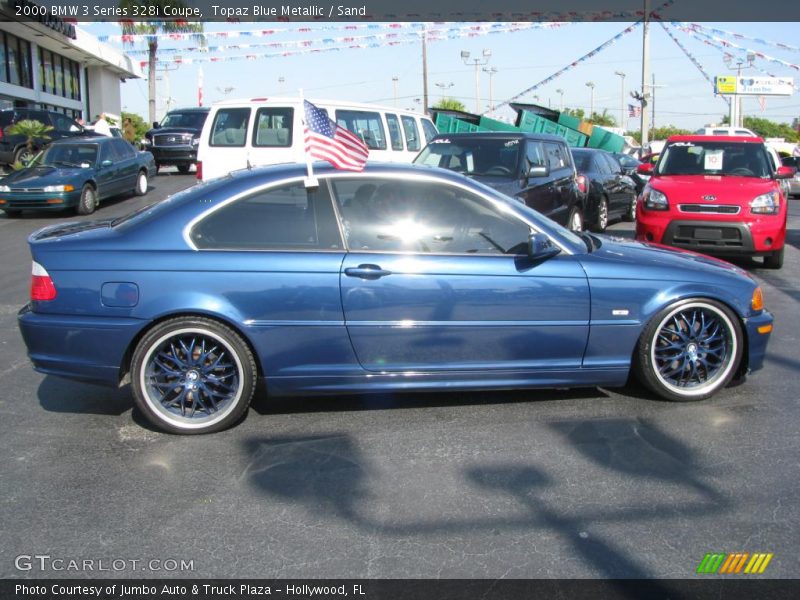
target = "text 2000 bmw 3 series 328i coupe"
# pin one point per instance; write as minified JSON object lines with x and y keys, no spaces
{"x":395,"y":278}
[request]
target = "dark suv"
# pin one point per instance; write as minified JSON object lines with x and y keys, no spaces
{"x":174,"y":141}
{"x":13,"y":148}
{"x":537,"y":169}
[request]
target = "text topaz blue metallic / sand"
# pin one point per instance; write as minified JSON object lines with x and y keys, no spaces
{"x":395,"y":278}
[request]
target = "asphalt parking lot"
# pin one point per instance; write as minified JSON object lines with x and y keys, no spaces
{"x":567,"y":484}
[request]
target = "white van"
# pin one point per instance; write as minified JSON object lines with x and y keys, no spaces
{"x":724,"y":130}
{"x":267,"y":131}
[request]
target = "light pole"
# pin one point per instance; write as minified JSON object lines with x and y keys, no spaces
{"x":561,"y":102}
{"x":395,"y":79}
{"x":492,"y":71}
{"x":735,"y":116}
{"x":621,"y":98}
{"x":590,"y":85}
{"x":477,"y":62}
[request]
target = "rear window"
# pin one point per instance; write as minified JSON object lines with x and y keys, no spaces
{"x":273,"y":127}
{"x":230,"y":127}
{"x":366,"y":125}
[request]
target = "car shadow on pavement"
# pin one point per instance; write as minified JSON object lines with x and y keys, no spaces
{"x":64,"y":396}
{"x":646,"y":470}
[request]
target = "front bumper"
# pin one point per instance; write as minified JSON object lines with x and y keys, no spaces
{"x":174,"y":155}
{"x":83,"y":348}
{"x":757,"y":341}
{"x":39,"y":200}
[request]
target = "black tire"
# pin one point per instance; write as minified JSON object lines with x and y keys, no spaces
{"x":689,"y":350}
{"x":774,"y":260}
{"x":184,"y":169}
{"x":601,"y":219}
{"x":575,"y":220}
{"x":185,"y":390}
{"x":141,"y":183}
{"x":88,"y":202}
{"x":23,"y":156}
{"x":630,"y":214}
{"x":12,"y":213}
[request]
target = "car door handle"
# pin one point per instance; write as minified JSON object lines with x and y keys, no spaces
{"x":366,"y":272}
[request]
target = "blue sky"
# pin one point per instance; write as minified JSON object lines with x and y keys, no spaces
{"x":521,"y":58}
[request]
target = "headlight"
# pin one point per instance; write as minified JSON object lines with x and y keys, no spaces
{"x":655,"y":200}
{"x":766,"y":204}
{"x":146,"y":141}
{"x":4,"y":188}
{"x":59,"y":188}
{"x":195,"y":141}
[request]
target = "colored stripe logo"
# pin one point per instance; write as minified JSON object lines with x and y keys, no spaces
{"x":734,"y":563}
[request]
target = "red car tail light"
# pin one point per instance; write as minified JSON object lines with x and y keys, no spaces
{"x":199,"y":170}
{"x":42,"y":287}
{"x":582,"y":184}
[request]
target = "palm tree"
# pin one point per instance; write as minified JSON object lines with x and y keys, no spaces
{"x":32,"y":130}
{"x":153,"y":29}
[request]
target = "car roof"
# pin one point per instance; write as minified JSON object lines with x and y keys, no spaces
{"x":738,"y":139}
{"x":204,"y":109}
{"x":84,"y":139}
{"x":502,"y":135}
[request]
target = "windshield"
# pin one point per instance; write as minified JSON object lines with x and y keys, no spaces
{"x":499,"y":157}
{"x":69,"y":155}
{"x":714,"y":158}
{"x":191,"y":120}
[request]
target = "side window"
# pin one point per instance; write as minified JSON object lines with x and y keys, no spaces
{"x":412,"y":133}
{"x":64,"y":124}
{"x":556,"y":156}
{"x":230,"y":127}
{"x":535,"y":154}
{"x":290,"y":217}
{"x":366,"y":125}
{"x":273,"y":127}
{"x":383,"y":215}
{"x":106,"y":152}
{"x":37,"y":115}
{"x":601,"y":164}
{"x":428,"y":130}
{"x":122,"y":149}
{"x":394,"y":131}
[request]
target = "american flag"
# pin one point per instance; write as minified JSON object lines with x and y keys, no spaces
{"x":327,"y":141}
{"x":634,"y":111}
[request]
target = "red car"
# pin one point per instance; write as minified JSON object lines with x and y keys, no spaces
{"x":717,"y":195}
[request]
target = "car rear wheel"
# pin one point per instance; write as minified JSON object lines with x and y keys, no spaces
{"x":630,"y":214}
{"x":774,"y":260}
{"x":690,"y":350}
{"x":88,"y":202}
{"x":192,"y":375}
{"x":601,"y":222}
{"x":183,"y":169}
{"x":23,"y":155}
{"x":575,"y":221}
{"x":141,"y":183}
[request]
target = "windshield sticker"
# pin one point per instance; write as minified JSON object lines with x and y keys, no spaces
{"x":510,"y":143}
{"x":687,"y":144}
{"x":442,"y":141}
{"x":713,"y":160}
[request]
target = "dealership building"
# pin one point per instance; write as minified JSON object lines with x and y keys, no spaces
{"x":49,"y":63}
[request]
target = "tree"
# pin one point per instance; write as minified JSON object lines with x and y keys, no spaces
{"x":603,"y":119}
{"x":450,"y":104}
{"x":659,"y":133}
{"x":153,"y":29}
{"x":138,"y":122}
{"x":32,"y":130}
{"x":575,"y":112}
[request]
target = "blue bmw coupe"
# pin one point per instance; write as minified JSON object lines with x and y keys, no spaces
{"x":395,"y":278}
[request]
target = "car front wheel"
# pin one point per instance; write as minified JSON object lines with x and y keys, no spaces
{"x":601,"y":222}
{"x":192,"y":375}
{"x":88,"y":202}
{"x":690,"y":350}
{"x":575,"y":221}
{"x":774,"y":260}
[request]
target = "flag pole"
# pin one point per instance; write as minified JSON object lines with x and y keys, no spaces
{"x":310,"y":181}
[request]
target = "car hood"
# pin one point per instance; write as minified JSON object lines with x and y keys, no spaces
{"x":506,"y":185}
{"x":169,"y":130}
{"x":655,"y":261}
{"x":727,"y":188}
{"x":37,"y":177}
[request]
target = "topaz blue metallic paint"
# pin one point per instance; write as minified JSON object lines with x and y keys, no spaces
{"x":323,"y":321}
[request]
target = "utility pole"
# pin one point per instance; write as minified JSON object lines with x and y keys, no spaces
{"x":425,"y":71}
{"x":621,"y":98}
{"x":560,"y":92}
{"x":645,"y":121}
{"x":395,"y":79}
{"x":590,"y":85}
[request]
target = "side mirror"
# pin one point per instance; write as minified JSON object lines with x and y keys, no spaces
{"x":106,"y":163}
{"x":785,"y":172}
{"x":645,"y":169}
{"x":537,"y":171}
{"x":541,"y":247}
{"x":156,"y":125}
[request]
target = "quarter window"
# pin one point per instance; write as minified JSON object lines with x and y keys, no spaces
{"x":230,"y":127}
{"x":273,"y":127}
{"x":383,"y":215}
{"x":412,"y":133}
{"x":394,"y":132}
{"x":366,"y":125}
{"x":289,"y":217}
{"x":428,"y":129}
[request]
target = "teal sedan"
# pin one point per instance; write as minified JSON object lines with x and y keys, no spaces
{"x":77,"y":173}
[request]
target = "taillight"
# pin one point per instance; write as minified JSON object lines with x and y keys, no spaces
{"x":42,"y":288}
{"x":199,"y":167}
{"x":582,"y":183}
{"x":2,"y":133}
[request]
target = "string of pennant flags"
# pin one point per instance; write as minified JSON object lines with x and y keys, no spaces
{"x":740,"y":36}
{"x":691,"y":57}
{"x":403,"y":37}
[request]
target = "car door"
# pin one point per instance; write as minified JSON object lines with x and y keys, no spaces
{"x":622,"y":190}
{"x":437,"y":278}
{"x":108,"y":170}
{"x":127,"y":163}
{"x":562,"y":173}
{"x":537,"y":192}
